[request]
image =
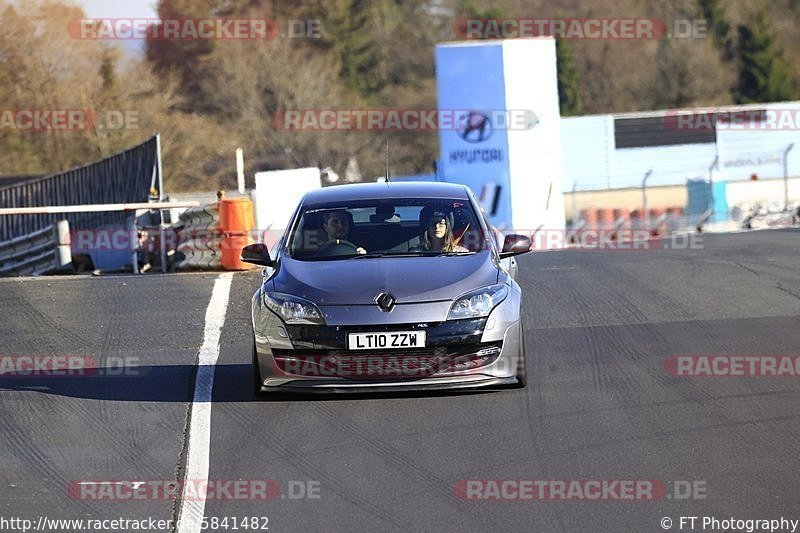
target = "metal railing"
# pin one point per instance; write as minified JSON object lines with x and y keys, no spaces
{"x":41,"y":252}
{"x":125,"y":177}
{"x":17,"y":255}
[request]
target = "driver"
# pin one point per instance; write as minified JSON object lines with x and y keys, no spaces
{"x":337,"y":225}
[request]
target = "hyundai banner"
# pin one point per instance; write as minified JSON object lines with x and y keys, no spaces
{"x":505,"y":143}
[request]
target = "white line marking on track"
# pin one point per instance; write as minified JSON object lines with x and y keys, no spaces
{"x":190,"y":514}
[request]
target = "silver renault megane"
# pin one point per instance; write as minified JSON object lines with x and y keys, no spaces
{"x":388,"y":287}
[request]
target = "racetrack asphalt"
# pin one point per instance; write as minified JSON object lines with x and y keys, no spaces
{"x":599,"y":405}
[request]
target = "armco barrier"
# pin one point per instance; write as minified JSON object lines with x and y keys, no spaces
{"x":43,"y":251}
{"x":212,"y":236}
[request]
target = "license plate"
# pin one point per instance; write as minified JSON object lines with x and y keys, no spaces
{"x":386,"y":341}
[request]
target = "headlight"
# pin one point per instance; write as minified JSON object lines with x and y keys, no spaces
{"x":293,"y":310}
{"x":478,"y":303}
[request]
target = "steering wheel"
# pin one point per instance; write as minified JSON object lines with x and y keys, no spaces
{"x":338,"y":247}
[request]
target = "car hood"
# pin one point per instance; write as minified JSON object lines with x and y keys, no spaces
{"x":409,"y":279}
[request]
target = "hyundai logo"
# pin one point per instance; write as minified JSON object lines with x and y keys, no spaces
{"x":477,"y":128}
{"x":385,"y":301}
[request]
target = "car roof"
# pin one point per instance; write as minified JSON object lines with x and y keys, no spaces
{"x":373,"y":191}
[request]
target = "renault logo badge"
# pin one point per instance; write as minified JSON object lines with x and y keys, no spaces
{"x":385,"y":301}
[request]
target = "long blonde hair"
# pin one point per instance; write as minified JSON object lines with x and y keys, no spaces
{"x":426,"y":241}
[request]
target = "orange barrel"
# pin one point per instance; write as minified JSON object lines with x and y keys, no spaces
{"x":590,"y":216}
{"x":605,"y":217}
{"x":236,"y":223}
{"x":236,"y":215}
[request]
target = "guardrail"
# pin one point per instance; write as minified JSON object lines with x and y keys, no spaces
{"x":41,"y":252}
{"x":95,"y":208}
{"x":25,"y":255}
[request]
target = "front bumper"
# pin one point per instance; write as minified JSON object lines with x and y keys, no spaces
{"x":473,"y":353}
{"x":427,"y":384}
{"x":455,"y":357}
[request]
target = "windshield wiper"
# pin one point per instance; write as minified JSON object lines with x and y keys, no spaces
{"x":383,"y":254}
{"x":440,"y":254}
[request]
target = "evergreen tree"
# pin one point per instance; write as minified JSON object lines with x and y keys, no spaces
{"x":380,"y":44}
{"x":569,"y":96}
{"x":763,"y":72}
{"x":714,"y":14}
{"x":472,"y":10}
{"x":359,"y":57}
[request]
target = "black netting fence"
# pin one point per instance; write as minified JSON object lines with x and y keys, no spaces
{"x":122,"y":178}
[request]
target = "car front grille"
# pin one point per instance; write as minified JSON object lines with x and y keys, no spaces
{"x":386,"y":364}
{"x":461,"y":332}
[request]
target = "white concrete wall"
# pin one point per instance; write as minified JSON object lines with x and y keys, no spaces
{"x":535,"y":163}
{"x":591,"y":160}
{"x":767,"y":192}
{"x":278,"y":192}
{"x":587,"y":152}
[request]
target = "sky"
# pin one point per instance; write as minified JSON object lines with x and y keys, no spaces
{"x":135,"y":9}
{"x":119,"y":8}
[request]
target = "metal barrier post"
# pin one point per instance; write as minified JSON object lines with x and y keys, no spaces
{"x":63,"y":244}
{"x":645,"y":214}
{"x":574,"y":205}
{"x":710,"y":206}
{"x":786,"y":176}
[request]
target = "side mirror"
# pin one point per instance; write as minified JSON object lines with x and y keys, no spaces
{"x":515,"y":245}
{"x":258,"y":254}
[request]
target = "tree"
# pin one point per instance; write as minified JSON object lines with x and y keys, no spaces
{"x":471,"y":9}
{"x":688,"y":73}
{"x":183,"y":58}
{"x":107,"y":68}
{"x":381,"y":44}
{"x":714,"y":14}
{"x":569,"y":96}
{"x":44,"y":69}
{"x":361,"y":67}
{"x":763,"y":72}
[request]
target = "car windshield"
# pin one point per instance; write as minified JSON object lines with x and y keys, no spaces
{"x":386,"y":227}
